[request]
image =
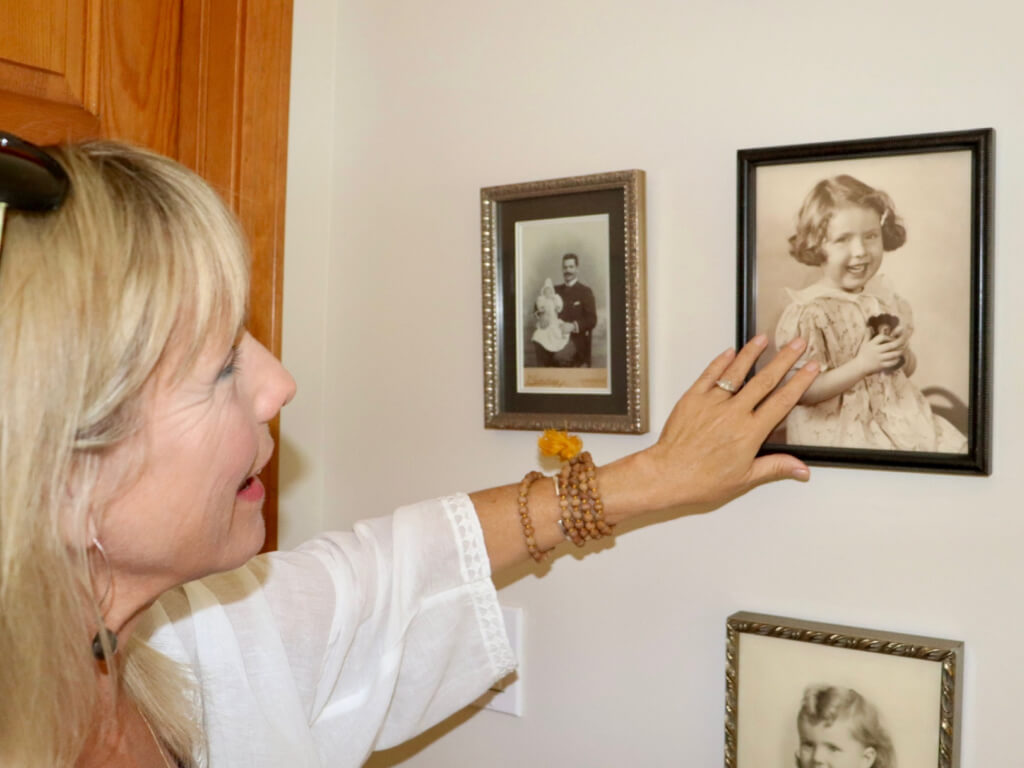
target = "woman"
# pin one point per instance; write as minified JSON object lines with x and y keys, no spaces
{"x":133,"y":427}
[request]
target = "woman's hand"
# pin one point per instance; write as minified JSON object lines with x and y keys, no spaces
{"x":706,"y":455}
{"x":707,"y":452}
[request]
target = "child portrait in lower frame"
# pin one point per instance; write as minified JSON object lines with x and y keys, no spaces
{"x":858,"y":328}
{"x":839,"y":728}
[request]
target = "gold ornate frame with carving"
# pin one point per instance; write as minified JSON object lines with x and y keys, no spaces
{"x":913,"y":681}
{"x":527,"y":230}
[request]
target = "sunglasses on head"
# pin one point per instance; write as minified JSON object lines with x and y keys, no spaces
{"x":30,"y":180}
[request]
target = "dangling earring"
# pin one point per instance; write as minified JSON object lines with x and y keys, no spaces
{"x":111,"y":636}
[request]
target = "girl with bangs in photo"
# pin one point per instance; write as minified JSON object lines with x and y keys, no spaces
{"x":857,"y":328}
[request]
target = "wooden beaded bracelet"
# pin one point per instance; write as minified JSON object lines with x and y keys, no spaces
{"x":524,"y":515}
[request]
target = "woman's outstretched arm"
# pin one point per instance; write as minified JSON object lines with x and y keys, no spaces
{"x":705,"y":456}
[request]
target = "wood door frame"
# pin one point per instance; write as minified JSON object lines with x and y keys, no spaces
{"x":233,"y":131}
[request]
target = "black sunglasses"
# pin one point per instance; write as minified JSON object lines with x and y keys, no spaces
{"x":30,"y":180}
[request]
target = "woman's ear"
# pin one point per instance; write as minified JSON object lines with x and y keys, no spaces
{"x":80,"y":519}
{"x":868,"y":760}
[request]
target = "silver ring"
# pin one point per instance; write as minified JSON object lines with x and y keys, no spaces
{"x":727,"y":385}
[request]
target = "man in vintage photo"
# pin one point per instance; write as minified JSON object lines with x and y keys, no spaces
{"x":578,"y":314}
{"x":839,"y":728}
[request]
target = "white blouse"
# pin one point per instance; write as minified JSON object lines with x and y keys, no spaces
{"x":353,"y":642}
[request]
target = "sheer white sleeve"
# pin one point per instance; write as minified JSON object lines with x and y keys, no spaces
{"x":353,"y":642}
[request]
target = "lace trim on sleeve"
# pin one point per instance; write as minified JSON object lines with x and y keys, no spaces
{"x":476,"y":571}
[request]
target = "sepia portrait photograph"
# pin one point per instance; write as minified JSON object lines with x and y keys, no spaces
{"x":876,"y":254}
{"x":807,"y":695}
{"x":562,"y":324}
{"x":564,"y":304}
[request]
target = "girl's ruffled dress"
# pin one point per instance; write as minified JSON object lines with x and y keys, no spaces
{"x":882,"y":411}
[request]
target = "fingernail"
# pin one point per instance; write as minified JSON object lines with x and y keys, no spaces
{"x":802,"y":473}
{"x":812,"y":366}
{"x":729,"y":352}
{"x":797,"y":344}
{"x":760,"y":340}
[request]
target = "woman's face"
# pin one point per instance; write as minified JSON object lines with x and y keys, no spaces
{"x":196,"y":505}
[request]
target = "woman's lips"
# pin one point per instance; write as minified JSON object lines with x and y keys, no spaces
{"x":251,"y":490}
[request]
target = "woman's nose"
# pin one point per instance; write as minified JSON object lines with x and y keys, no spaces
{"x":281,"y":388}
{"x":273,"y":386}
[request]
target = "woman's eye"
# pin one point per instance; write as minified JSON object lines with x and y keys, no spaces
{"x":231,"y":366}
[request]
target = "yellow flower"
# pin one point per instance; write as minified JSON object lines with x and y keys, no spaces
{"x":557,"y":442}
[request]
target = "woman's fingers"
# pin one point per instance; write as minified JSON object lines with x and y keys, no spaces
{"x":769,"y":377}
{"x":777,"y":466}
{"x":738,"y":369}
{"x":707,"y":451}
{"x":774,"y":408}
{"x":714,"y":371}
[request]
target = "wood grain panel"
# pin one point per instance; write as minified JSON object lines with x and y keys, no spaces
{"x":266,"y":78}
{"x":263,"y":165}
{"x":43,"y":49}
{"x":236,"y":66}
{"x":45,"y":122}
{"x":210,"y":119}
{"x":139,"y":89}
{"x":34,"y":32}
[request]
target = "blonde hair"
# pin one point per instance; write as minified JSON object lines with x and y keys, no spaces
{"x":142,"y":261}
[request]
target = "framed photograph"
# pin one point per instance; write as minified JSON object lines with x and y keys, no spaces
{"x":564,"y":304}
{"x":878,"y":252}
{"x":801,"y":694}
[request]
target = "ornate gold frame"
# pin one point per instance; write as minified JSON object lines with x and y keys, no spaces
{"x":626,"y":409}
{"x":947,"y":653}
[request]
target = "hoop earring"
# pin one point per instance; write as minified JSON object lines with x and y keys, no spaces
{"x":98,"y":650}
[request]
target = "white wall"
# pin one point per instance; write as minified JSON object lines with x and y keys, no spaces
{"x":402,"y":111}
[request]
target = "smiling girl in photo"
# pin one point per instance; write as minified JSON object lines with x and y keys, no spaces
{"x":839,"y":728}
{"x":863,"y":397}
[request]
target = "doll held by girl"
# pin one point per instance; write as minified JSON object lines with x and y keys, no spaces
{"x":858,"y":329}
{"x":551,"y":344}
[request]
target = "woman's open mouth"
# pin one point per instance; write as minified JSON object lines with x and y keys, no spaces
{"x":252,"y":489}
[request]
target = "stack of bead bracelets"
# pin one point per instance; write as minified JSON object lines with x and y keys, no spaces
{"x":581,"y":507}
